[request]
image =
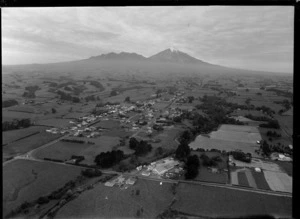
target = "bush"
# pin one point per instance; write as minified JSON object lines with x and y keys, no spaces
{"x":43,"y":200}
{"x":91,"y":173}
{"x":8,"y":103}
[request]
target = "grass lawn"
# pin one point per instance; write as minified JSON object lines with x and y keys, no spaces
{"x":107,"y":202}
{"x":286,"y":167}
{"x":13,"y":135}
{"x":260,"y":180}
{"x":64,"y":150}
{"x":242,"y":178}
{"x":222,"y":202}
{"x":28,"y":144}
{"x":25,"y":180}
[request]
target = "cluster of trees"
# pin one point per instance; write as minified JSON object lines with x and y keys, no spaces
{"x":273,"y":134}
{"x":91,"y":173}
{"x":192,"y":166}
{"x":97,"y":112}
{"x":141,"y":147}
{"x":286,"y":104}
{"x":8,"y":103}
{"x":65,"y":84}
{"x":16,"y":124}
{"x":73,"y":141}
{"x":108,"y":159}
{"x":67,"y":88}
{"x":267,"y":149}
{"x":281,"y":92}
{"x":78,"y":89}
{"x":271,"y":124}
{"x":30,"y":91}
{"x":190,"y":99}
{"x":77,"y":158}
{"x":183,"y":151}
{"x":65,"y":96}
{"x":266,"y":110}
{"x":257,"y":118}
{"x":127,"y":99}
{"x":239,"y":155}
{"x":208,"y":162}
{"x":91,"y":98}
{"x":113,"y":93}
{"x":97,"y":84}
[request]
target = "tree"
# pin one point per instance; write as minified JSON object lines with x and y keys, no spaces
{"x":182,"y":151}
{"x":159,"y":151}
{"x":53,"y":110}
{"x":127,"y":99}
{"x":192,"y":166}
{"x":133,"y":143}
{"x":113,"y":93}
{"x":190,"y":99}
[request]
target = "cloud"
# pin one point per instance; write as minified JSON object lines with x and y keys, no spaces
{"x":252,"y":37}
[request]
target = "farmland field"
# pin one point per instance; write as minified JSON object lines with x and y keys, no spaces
{"x":208,"y":144}
{"x":10,"y":115}
{"x":107,"y":202}
{"x":108,"y":124}
{"x":279,"y":181}
{"x":25,"y":180}
{"x":54,"y":122}
{"x":220,"y":202}
{"x":13,"y":135}
{"x":27,"y":144}
{"x":64,"y":150}
{"x":242,"y":178}
{"x":260,"y":180}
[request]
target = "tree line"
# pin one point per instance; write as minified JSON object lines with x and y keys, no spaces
{"x":16,"y":124}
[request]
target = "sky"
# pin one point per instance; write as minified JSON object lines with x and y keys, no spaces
{"x":247,"y":37}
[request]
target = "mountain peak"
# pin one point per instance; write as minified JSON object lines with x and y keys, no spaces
{"x":118,"y":56}
{"x":174,"y":55}
{"x":173,"y":49}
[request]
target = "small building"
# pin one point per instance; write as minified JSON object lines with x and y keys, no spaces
{"x":131,"y":181}
{"x":257,"y":169}
{"x":145,"y":173}
{"x":109,"y":184}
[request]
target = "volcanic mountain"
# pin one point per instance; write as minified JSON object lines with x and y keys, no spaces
{"x":173,"y":55}
{"x":168,"y":62}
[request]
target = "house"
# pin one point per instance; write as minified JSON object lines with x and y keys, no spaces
{"x":131,"y":181}
{"x":145,"y":173}
{"x":257,"y":169}
{"x":109,"y":184}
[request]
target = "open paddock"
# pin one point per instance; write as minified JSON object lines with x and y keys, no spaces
{"x":55,"y":122}
{"x":10,"y":115}
{"x":112,"y":202}
{"x":209,"y":201}
{"x":260,"y":180}
{"x":64,"y":150}
{"x":242,"y":178}
{"x":28,"y":144}
{"x":208,"y":144}
{"x":108,"y":124}
{"x":25,"y":180}
{"x":168,"y":138}
{"x":279,"y":181}
{"x":13,"y":135}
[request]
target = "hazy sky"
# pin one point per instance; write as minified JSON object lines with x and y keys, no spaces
{"x":250,"y":37}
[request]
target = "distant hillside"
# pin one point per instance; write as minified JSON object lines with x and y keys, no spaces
{"x":166,"y":63}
